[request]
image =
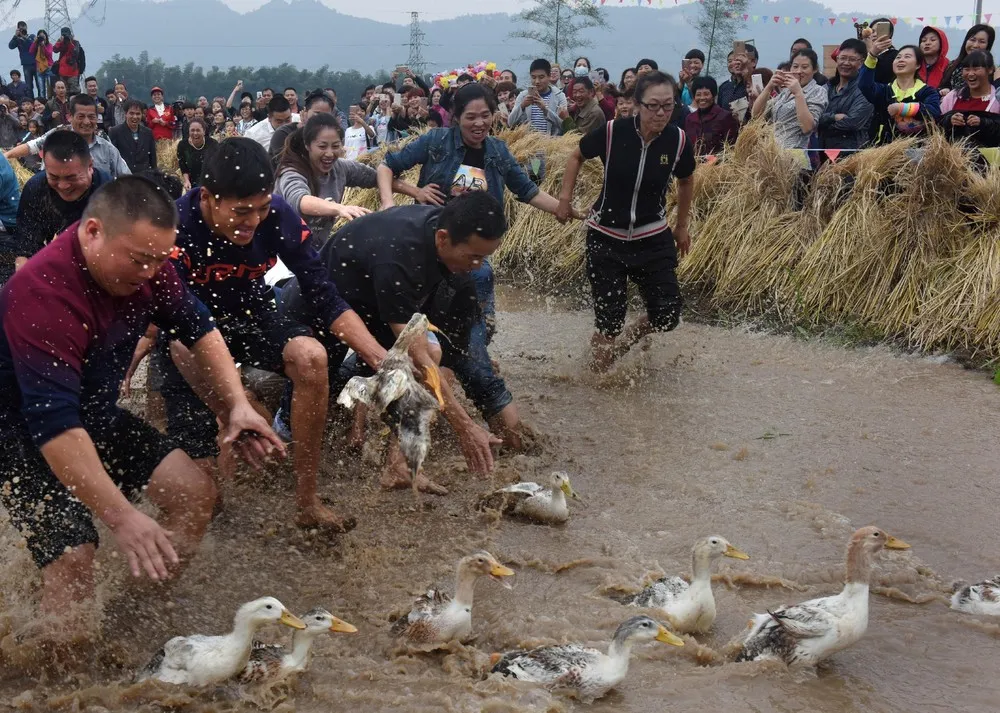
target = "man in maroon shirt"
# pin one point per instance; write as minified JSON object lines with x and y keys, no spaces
{"x":70,"y":320}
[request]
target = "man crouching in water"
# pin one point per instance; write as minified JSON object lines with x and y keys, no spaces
{"x":408,"y":259}
{"x":70,"y":320}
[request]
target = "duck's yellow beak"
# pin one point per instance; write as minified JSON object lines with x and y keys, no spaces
{"x":668,"y":638}
{"x":433,"y":328}
{"x":568,"y":490}
{"x":289,"y":619}
{"x":735,"y":553}
{"x":894,"y":543}
{"x":341,"y":626}
{"x":498,"y":570}
{"x":433,"y":378}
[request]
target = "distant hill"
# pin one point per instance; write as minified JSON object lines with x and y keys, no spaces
{"x":307,"y":34}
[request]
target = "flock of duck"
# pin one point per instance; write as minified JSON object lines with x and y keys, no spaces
{"x":801,"y":634}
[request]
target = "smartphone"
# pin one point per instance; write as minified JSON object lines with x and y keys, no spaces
{"x":882,"y":29}
{"x":397,"y":100}
{"x":260,"y":94}
{"x":596,"y":77}
{"x":686,"y":65}
{"x":423,"y":102}
{"x":739,"y":47}
{"x":757,"y":82}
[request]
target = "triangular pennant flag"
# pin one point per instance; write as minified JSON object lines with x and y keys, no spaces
{"x":893,"y":20}
{"x":832,"y":154}
{"x":958,"y":18}
{"x":934,"y":20}
{"x":833,"y":20}
{"x":797,"y":20}
{"x":920,"y":19}
{"x":756,"y":18}
{"x":809,"y":21}
{"x":947,"y":20}
{"x":711,"y":158}
{"x":776,"y":18}
{"x":854,"y":19}
{"x":788,"y":20}
{"x":745,"y":18}
{"x":988,"y":17}
{"x":907,"y":20}
{"x":727,"y":13}
{"x":992,"y":155}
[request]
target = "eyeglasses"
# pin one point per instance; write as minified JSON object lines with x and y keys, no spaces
{"x":657,"y":108}
{"x":848,"y":59}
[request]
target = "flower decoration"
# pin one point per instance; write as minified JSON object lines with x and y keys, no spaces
{"x":479,"y":70}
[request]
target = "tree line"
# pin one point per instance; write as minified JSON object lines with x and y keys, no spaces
{"x":142,"y":74}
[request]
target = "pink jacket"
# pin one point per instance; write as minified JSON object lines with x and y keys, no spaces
{"x":46,"y":50}
{"x":951,"y":98}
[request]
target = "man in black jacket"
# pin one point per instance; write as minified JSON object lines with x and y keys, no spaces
{"x":133,"y":140}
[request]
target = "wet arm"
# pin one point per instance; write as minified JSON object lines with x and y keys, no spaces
{"x":419,"y":352}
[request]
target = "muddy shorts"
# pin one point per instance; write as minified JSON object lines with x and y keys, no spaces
{"x":650,"y":263}
{"x":260,"y":344}
{"x":42,"y":509}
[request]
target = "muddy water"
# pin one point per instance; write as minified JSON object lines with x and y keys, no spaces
{"x":783,"y":447}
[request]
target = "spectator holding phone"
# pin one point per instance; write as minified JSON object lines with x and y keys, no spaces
{"x":795,"y":111}
{"x":907,"y":105}
{"x":543,"y":106}
{"x":691,"y":67}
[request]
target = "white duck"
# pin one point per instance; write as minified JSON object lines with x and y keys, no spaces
{"x":200,"y":660}
{"x":588,"y":672}
{"x":268,"y":661}
{"x":809,"y":632}
{"x":689,"y":607}
{"x":533,"y":501}
{"x":436,"y":617}
{"x":980,"y":598}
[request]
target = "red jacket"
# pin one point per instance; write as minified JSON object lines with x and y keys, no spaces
{"x":161,"y":131}
{"x":932,"y":76}
{"x":67,"y":58}
{"x":710,"y":131}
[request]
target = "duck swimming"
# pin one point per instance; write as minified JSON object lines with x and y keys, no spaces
{"x":980,"y":598}
{"x":533,"y":501}
{"x":269,"y":661}
{"x":589,"y":672}
{"x":200,"y":660}
{"x":437,"y":617}
{"x":807,"y":633}
{"x":689,"y":606}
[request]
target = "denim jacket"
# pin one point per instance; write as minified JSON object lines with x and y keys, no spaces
{"x":440,"y":153}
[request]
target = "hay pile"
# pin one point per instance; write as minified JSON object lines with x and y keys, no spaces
{"x":902,"y":240}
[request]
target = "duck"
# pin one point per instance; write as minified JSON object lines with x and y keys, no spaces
{"x":689,"y":606}
{"x":588,"y":672}
{"x":268,"y":661}
{"x":807,"y":633}
{"x":436,"y":617}
{"x":533,"y":501}
{"x":980,"y":598}
{"x":200,"y":660}
{"x":398,"y":398}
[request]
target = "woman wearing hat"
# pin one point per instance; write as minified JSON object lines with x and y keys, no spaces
{"x":160,"y":116}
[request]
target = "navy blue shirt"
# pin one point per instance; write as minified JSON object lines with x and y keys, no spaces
{"x":229,"y":278}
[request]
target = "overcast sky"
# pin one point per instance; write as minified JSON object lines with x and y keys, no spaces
{"x":398,"y":11}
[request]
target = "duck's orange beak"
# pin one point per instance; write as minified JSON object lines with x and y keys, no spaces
{"x":433,"y":378}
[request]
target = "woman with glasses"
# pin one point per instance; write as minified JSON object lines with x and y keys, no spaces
{"x":628,"y":237}
{"x":845,"y":121}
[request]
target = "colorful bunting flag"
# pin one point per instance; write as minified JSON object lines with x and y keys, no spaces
{"x":832,"y":154}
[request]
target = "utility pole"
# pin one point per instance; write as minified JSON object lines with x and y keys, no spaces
{"x":711,"y":39}
{"x":558,"y":8}
{"x":56,"y":17}
{"x":416,"y":59}
{"x":979,"y":11}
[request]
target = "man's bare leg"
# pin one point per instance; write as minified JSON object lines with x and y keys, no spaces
{"x":508,"y":425}
{"x":185,"y":495}
{"x":68,"y":582}
{"x":396,"y":473}
{"x":356,"y":437}
{"x":305,"y":365}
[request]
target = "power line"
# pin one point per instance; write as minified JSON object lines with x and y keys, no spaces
{"x":416,"y":58}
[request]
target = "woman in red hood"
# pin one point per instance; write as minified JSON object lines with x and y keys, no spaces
{"x":934,"y":46}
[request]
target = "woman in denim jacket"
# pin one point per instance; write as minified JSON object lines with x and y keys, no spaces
{"x":466,"y":158}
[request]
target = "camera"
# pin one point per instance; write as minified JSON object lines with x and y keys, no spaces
{"x":66,"y":32}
